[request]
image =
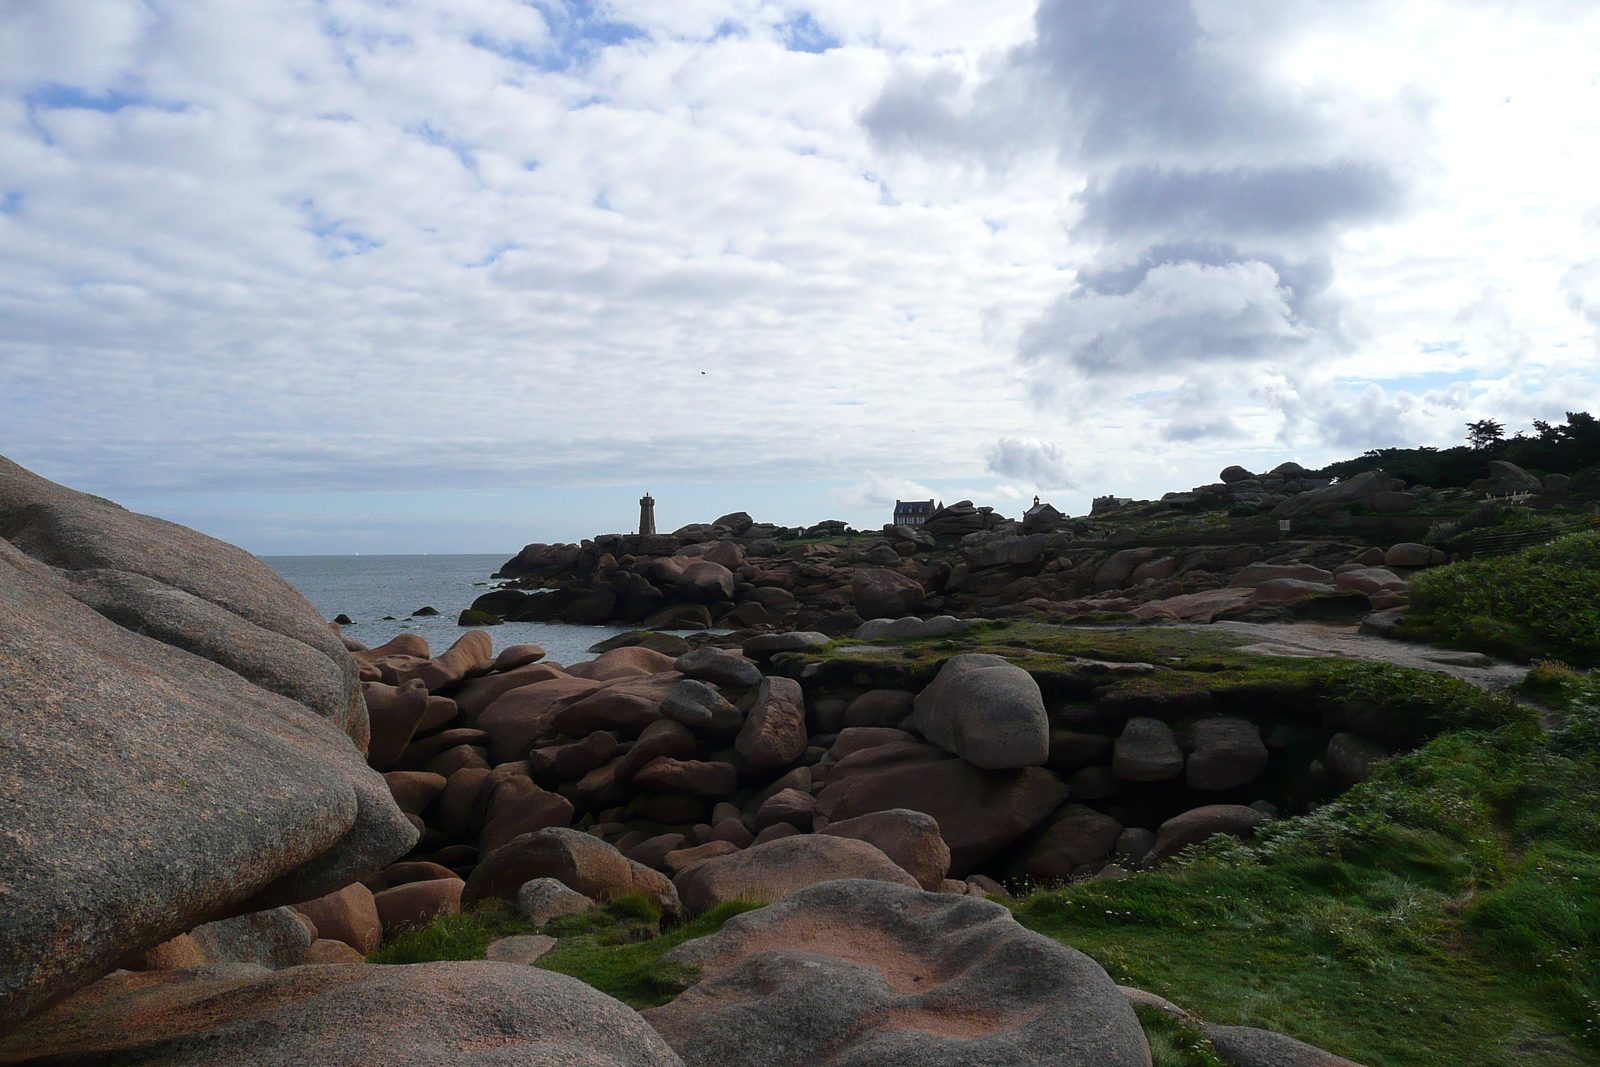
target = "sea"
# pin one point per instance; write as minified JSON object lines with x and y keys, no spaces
{"x":381,"y":592}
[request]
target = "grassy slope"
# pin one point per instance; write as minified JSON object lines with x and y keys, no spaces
{"x":1443,"y":914}
{"x":1541,"y":602}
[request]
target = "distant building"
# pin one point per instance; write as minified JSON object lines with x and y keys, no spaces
{"x":912,"y":512}
{"x":1041,"y":518}
{"x":647,"y":514}
{"x":1107,"y":503}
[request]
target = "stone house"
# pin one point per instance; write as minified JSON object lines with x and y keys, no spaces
{"x":912,"y":512}
{"x":1041,"y":518}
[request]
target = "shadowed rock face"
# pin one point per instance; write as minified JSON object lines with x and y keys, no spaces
{"x":859,"y":972}
{"x":979,"y":812}
{"x":178,"y":741}
{"x":107,"y":548}
{"x":463,"y":1014}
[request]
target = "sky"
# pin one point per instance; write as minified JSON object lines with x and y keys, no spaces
{"x":329,"y":276}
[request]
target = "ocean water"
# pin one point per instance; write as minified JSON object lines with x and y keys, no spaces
{"x":367,"y":588}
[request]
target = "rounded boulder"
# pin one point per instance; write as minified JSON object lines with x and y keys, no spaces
{"x":986,"y":710}
{"x":774,"y":869}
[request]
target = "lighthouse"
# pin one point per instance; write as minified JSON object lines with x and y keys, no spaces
{"x":647,"y":514}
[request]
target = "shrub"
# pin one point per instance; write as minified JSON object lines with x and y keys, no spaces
{"x":1540,"y":602}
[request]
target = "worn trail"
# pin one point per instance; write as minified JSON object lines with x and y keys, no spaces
{"x":1307,"y":639}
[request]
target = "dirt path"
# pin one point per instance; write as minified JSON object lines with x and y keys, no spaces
{"x":1307,"y":639}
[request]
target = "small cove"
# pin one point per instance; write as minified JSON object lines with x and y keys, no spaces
{"x":367,"y":588}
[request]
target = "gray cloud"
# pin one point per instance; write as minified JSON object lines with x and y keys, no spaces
{"x":1211,"y":194}
{"x":1111,"y":80}
{"x":1223,"y":429}
{"x":1241,"y":202}
{"x":1040,"y":464}
{"x":1184,"y":315}
{"x":1138,"y":75}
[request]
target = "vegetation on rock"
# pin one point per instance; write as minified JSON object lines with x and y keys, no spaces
{"x":1570,"y":449}
{"x":1542,"y":602}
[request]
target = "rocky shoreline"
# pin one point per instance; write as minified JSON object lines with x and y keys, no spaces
{"x":217,"y":807}
{"x":1246,"y":547}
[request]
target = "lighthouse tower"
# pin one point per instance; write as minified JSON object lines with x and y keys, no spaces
{"x":647,"y":514}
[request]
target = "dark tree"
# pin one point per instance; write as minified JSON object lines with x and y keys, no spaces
{"x":1485,"y":432}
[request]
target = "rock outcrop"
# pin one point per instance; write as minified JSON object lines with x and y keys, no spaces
{"x":859,"y":972}
{"x":183,"y":742}
{"x":458,"y":1013}
{"x":773,"y":870}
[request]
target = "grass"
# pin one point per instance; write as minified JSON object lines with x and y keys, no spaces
{"x":632,"y":972}
{"x":1443,"y":913}
{"x":1542,"y":602}
{"x":1174,"y":1043}
{"x":455,"y":937}
{"x":616,"y":948}
{"x":1414,"y":704}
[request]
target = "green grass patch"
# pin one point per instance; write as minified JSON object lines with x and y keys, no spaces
{"x":1543,"y":602}
{"x":1174,"y":1043}
{"x":632,"y":972}
{"x":1443,"y":913}
{"x":455,"y":937}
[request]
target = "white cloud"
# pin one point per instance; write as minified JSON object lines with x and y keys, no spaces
{"x":357,"y":245}
{"x":877,"y":493}
{"x":1180,"y":317}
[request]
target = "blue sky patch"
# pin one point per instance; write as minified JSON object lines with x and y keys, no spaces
{"x":801,"y":33}
{"x":461,"y":151}
{"x":579,"y":29}
{"x":337,"y":237}
{"x":10,"y":204}
{"x":62,"y":97}
{"x":1416,"y":384}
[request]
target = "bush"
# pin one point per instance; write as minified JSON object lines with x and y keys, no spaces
{"x":1541,"y":602}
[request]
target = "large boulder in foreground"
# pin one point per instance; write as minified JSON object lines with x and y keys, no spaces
{"x":979,"y":812}
{"x":773,"y":870}
{"x":186,"y":590}
{"x":865,"y":973}
{"x":986,"y":710}
{"x":463,"y":1014}
{"x":159,"y":769}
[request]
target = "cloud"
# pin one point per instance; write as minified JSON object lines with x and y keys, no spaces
{"x":1040,"y":464}
{"x":878,"y":492}
{"x":1214,"y":190}
{"x":1178,"y":318}
{"x":1237,"y":203}
{"x":349,"y":246}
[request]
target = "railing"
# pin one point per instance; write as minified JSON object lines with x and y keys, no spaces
{"x":1504,"y":542}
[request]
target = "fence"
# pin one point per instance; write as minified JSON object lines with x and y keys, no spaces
{"x":1504,"y":542}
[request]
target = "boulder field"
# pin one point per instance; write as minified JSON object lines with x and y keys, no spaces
{"x":1291,"y":538}
{"x":216,"y":808}
{"x":679,"y":778}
